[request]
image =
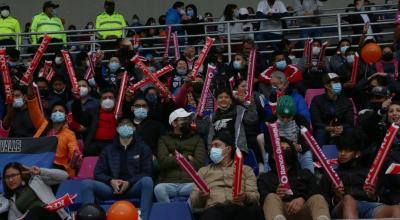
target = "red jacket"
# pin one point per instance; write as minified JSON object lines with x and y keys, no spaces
{"x":292,"y":72}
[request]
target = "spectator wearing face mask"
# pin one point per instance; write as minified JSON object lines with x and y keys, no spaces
{"x":340,"y":58}
{"x":331,"y":113}
{"x":87,"y":100}
{"x":8,"y":25}
{"x":176,"y":81}
{"x":59,"y":66}
{"x":388,"y":63}
{"x":190,"y":55}
{"x":146,"y":128}
{"x":136,"y":23}
{"x":48,"y":21}
{"x":123,"y":171}
{"x":59,"y":92}
{"x":67,"y":145}
{"x":173,"y":181}
{"x":17,"y":121}
{"x":237,"y":68}
{"x":159,"y":108}
{"x":313,"y":72}
{"x":193,"y":18}
{"x":176,"y":15}
{"x":247,"y":26}
{"x":220,"y":203}
{"x":100,"y":122}
{"x":150,"y":33}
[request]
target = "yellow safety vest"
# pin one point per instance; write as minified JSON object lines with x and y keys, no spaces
{"x":105,"y":20}
{"x":43,"y":23}
{"x":9,"y":25}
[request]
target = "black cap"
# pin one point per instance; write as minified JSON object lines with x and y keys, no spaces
{"x":380,"y":91}
{"x":50,"y":4}
{"x":109,"y":2}
{"x":4,"y":6}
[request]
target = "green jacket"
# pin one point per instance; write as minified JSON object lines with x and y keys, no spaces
{"x":43,"y":23}
{"x":9,"y":25}
{"x":170,"y":171}
{"x":105,"y":20}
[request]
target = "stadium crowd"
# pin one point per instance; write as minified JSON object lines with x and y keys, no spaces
{"x":136,"y":146}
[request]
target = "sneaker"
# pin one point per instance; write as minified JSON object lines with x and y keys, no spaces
{"x":280,"y":217}
{"x":323,"y":217}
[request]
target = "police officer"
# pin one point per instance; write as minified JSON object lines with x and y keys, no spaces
{"x":8,"y":25}
{"x":48,"y":21}
{"x":110,"y":19}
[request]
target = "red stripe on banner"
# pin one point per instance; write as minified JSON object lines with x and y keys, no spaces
{"x":91,"y":68}
{"x":322,"y":53}
{"x":354,"y":69}
{"x":206,"y":89}
{"x":60,"y":203}
{"x":321,"y":157}
{"x":250,"y":75}
{"x":6,"y":76}
{"x":44,"y":71}
{"x":189,"y":170}
{"x":176,"y":45}
{"x":167,"y":42}
{"x":50,"y":74}
{"x":381,"y":155}
{"x":70,"y":70}
{"x":163,"y":89}
{"x":121,"y":94}
{"x":202,"y":57}
{"x":38,"y":97}
{"x":308,"y":50}
{"x":147,"y":80}
{"x":36,"y":59}
{"x":237,"y":173}
{"x":278,"y":154}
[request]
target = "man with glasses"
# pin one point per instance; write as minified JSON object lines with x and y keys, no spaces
{"x":173,"y":181}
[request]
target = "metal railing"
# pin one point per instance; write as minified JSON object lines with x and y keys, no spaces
{"x":333,"y":31}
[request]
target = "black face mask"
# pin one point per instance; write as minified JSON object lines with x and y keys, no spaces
{"x":110,"y":9}
{"x":387,"y":56}
{"x":44,"y":93}
{"x":186,"y":128}
{"x":288,"y":156}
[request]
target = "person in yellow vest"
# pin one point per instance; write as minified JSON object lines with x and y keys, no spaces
{"x":8,"y":25}
{"x":48,"y":21}
{"x":110,"y":19}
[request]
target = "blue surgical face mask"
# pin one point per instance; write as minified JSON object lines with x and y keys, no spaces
{"x":140,"y":113}
{"x":281,"y":65}
{"x":190,"y":13}
{"x":125,"y":131}
{"x":181,"y":71}
{"x":114,"y":66}
{"x":274,"y":89}
{"x":343,"y":49}
{"x":58,"y":117}
{"x":237,"y":64}
{"x":12,"y":64}
{"x":216,"y":155}
{"x":337,"y":88}
{"x":18,"y":103}
{"x":350,"y":59}
{"x":152,"y":69}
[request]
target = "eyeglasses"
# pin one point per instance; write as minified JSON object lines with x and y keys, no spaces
{"x":12,"y":176}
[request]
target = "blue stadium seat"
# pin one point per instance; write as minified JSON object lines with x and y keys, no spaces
{"x":179,"y":199}
{"x":251,"y":161}
{"x":171,"y":211}
{"x":330,"y":152}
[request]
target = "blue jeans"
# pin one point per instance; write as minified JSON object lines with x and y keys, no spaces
{"x":305,"y":160}
{"x":365,"y":209}
{"x":92,"y":189}
{"x":164,"y":191}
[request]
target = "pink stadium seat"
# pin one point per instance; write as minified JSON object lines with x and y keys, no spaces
{"x":87,"y":168}
{"x":311,"y":93}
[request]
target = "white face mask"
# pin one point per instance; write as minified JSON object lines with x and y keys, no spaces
{"x":58,"y":60}
{"x":107,"y":104}
{"x":316,"y":50}
{"x":83,"y":91}
{"x":5,"y":13}
{"x":18,"y":102}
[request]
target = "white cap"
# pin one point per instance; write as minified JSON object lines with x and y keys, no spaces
{"x":332,"y":76}
{"x":243,"y":11}
{"x":179,"y":113}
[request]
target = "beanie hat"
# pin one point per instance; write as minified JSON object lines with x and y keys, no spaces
{"x":286,"y":106}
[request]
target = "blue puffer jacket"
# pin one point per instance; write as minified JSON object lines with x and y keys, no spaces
{"x":139,"y":162}
{"x":173,"y":17}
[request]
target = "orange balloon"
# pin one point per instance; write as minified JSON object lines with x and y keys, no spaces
{"x":371,"y":53}
{"x":122,"y":210}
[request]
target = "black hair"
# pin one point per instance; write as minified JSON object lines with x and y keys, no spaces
{"x":249,"y":41}
{"x":60,"y":103}
{"x":42,"y":79}
{"x":227,"y":138}
{"x":107,"y":90}
{"x":13,"y":53}
{"x":318,"y":41}
{"x":91,"y":212}
{"x":58,"y":78}
{"x":228,"y":11}
{"x":80,"y":57}
{"x":350,"y":49}
{"x":224,"y":90}
{"x":138,"y":96}
{"x":21,"y":88}
{"x":161,"y":20}
{"x":353,"y":141}
{"x":276,"y":53}
{"x":8,"y":193}
{"x":344,"y":40}
{"x":194,"y":9}
{"x":177,"y":5}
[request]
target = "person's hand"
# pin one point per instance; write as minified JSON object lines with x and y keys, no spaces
{"x":337,"y":130}
{"x":204,"y":195}
{"x":370,"y":190}
{"x":240,"y":198}
{"x":187,"y":80}
{"x":281,"y":191}
{"x":170,"y":155}
{"x":329,"y":128}
{"x":34,"y":170}
{"x":365,"y":28}
{"x":124,"y":185}
{"x":295,"y":205}
{"x":386,"y":103}
{"x":339,"y":192}
{"x":82,"y":128}
{"x":190,"y":158}
{"x":116,"y":184}
{"x":298,"y":147}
